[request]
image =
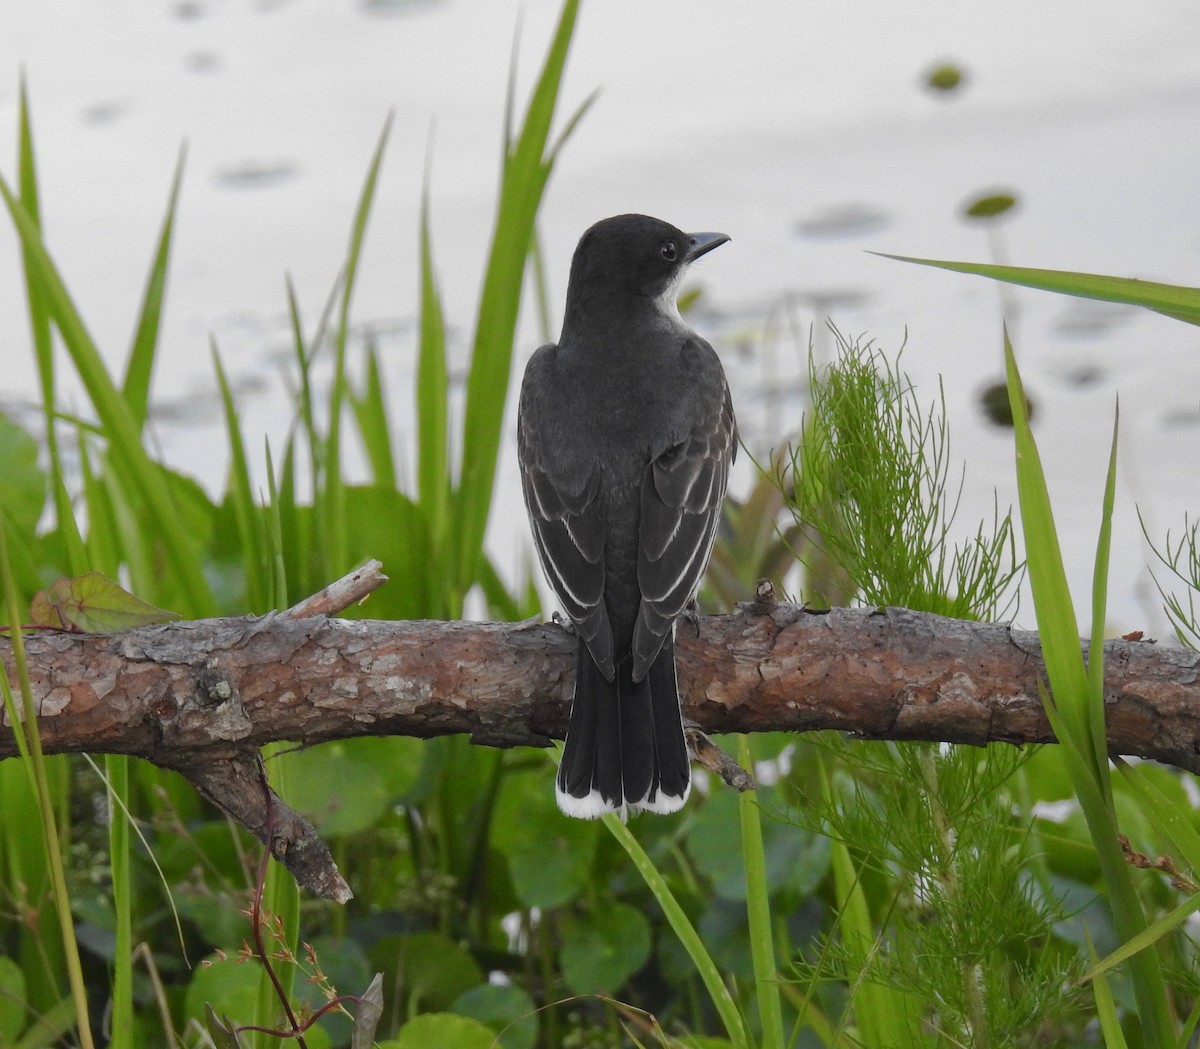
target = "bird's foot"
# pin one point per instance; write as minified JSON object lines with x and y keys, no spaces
{"x":559,"y":620}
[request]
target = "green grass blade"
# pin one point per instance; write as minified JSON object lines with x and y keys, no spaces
{"x":707,"y":969}
{"x":116,"y":768}
{"x":526,"y":169}
{"x":103,"y":543}
{"x":332,"y":492}
{"x":881,"y":1013}
{"x":39,"y":324}
{"x":1106,"y":1012}
{"x":758,"y":913}
{"x":120,"y":428}
{"x":295,"y":527}
{"x":370,"y":412}
{"x":1071,"y":705}
{"x":1051,"y":597}
{"x":276,"y":504}
{"x":1168,"y":818}
{"x":304,"y":395}
{"x":240,"y":493}
{"x":140,"y":366}
{"x":1181,"y":303}
{"x":1149,"y":936}
{"x":1188,"y":1033}
{"x":1097,"y":731}
{"x":433,"y":392}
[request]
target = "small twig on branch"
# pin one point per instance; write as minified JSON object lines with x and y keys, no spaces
{"x":201,"y":697}
{"x":337,"y":597}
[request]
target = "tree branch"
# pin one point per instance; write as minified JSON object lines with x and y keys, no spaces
{"x":201,"y":697}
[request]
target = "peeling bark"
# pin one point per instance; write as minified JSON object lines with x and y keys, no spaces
{"x":201,"y":697}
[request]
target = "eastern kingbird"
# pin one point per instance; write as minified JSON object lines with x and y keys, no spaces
{"x":625,"y":436}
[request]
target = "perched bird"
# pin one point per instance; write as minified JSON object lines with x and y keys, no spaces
{"x":625,"y":438}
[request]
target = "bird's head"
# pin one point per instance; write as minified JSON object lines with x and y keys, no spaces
{"x":636,"y":256}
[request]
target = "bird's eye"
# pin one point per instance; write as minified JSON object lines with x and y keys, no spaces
{"x":669,"y":251}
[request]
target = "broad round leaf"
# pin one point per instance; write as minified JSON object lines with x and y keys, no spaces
{"x":549,"y":855}
{"x":347,"y":786}
{"x":506,"y":1009}
{"x":230,"y":987}
{"x":433,"y":969}
{"x":603,"y":948}
{"x":442,"y":1029}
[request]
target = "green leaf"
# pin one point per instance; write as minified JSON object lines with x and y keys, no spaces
{"x":1075,"y":703}
{"x":94,"y":604}
{"x":507,"y":1009}
{"x":1168,"y":818}
{"x":549,"y":856}
{"x":370,"y":412}
{"x":758,"y":912}
{"x":222,"y":985}
{"x":136,"y":386}
{"x":1051,"y":596}
{"x":433,"y":391}
{"x":1106,"y":1012}
{"x":1173,"y":300}
{"x":433,"y":968}
{"x":603,"y":948}
{"x":22,"y":482}
{"x":348,"y":785}
{"x":990,"y":206}
{"x":945,"y":77}
{"x":12,"y":1001}
{"x":795,"y":861}
{"x":1149,"y":936}
{"x":22,"y":498}
{"x":442,"y":1029}
{"x":389,"y":526}
{"x":219,"y":1029}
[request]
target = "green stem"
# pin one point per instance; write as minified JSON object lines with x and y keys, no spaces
{"x":116,"y":768}
{"x":758,"y":913}
{"x":722,"y":1000}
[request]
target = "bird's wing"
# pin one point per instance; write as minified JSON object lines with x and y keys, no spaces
{"x":568,"y":529}
{"x":682,"y":492}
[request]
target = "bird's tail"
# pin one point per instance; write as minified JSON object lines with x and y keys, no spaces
{"x":625,"y":748}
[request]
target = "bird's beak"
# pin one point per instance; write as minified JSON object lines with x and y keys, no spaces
{"x":702,"y":243}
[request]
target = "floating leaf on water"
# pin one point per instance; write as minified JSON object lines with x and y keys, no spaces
{"x":945,"y":77}
{"x":996,"y":407}
{"x":257,"y":174}
{"x":842,"y":220}
{"x":989,"y":206}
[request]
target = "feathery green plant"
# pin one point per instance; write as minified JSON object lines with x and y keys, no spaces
{"x":928,"y":857}
{"x":869,"y":487}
